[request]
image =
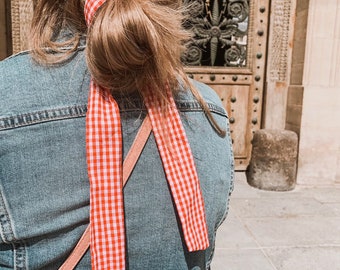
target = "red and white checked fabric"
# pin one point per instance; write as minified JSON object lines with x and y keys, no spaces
{"x":90,"y":8}
{"x":104,"y":158}
{"x":180,"y":170}
{"x":104,"y":165}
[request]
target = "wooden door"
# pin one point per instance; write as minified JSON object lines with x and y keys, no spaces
{"x":228,"y":52}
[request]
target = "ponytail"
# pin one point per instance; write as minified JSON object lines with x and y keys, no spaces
{"x":136,"y":45}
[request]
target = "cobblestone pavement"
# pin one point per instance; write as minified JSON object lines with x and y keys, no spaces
{"x":294,"y":230}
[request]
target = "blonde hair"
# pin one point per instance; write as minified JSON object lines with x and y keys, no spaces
{"x":131,"y":44}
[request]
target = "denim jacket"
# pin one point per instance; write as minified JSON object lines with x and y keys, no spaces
{"x":44,"y":187}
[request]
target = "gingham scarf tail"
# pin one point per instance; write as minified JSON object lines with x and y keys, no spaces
{"x":104,"y":161}
{"x":180,"y":171}
{"x":104,"y":158}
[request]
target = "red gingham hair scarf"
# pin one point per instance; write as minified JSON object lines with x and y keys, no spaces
{"x":104,"y":159}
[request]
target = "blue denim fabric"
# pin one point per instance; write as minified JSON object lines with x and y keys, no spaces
{"x":44,"y":188}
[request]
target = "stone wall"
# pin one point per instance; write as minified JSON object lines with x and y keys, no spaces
{"x":319,"y":151}
{"x":279,"y":63}
{"x":295,"y":90}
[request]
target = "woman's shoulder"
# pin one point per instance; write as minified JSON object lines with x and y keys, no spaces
{"x":186,"y":98}
{"x":13,"y":64}
{"x":23,"y":63}
{"x":15,"y":77}
{"x":24,"y":82}
{"x":208,"y":94}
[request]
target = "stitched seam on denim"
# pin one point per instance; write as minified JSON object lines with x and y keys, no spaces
{"x":80,"y":111}
{"x":42,"y":116}
{"x":232,"y":173}
{"x":6,"y":229}
{"x":194,"y":106}
{"x":183,"y":106}
{"x":20,"y":256}
{"x":231,"y":187}
{"x":208,"y":264}
{"x":232,"y":177}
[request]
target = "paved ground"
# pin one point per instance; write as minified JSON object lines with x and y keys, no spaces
{"x":295,"y":230}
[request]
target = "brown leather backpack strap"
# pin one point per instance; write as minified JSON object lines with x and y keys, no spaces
{"x":136,"y":148}
{"x":128,"y":165}
{"x":78,"y":251}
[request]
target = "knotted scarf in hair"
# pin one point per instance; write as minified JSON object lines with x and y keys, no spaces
{"x":104,"y":158}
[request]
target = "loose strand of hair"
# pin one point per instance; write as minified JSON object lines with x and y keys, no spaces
{"x":50,"y":18}
{"x":222,"y":132}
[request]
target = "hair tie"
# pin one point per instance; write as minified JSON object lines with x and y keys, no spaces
{"x":104,"y":162}
{"x":90,"y":8}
